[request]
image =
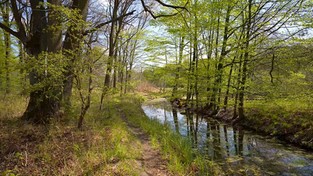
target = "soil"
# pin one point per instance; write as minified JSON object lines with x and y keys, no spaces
{"x":151,"y":161}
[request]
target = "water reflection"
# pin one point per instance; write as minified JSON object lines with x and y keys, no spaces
{"x":234,"y":148}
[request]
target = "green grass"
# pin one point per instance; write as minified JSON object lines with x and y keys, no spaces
{"x":291,"y":120}
{"x":183,"y":160}
{"x":104,"y":146}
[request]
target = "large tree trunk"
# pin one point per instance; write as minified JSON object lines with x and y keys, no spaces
{"x":44,"y":102}
{"x":71,"y":49}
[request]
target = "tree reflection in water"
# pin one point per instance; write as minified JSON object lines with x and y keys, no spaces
{"x":232,"y":147}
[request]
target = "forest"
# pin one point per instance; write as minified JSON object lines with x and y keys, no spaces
{"x":156,"y":87}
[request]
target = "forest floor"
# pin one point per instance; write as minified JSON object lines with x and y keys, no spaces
{"x":108,"y":145}
{"x":117,"y":140}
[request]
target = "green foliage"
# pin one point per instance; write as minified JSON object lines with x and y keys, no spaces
{"x":65,"y":18}
{"x":49,"y":69}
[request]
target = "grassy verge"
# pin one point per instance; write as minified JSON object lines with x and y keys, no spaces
{"x":290,"y":120}
{"x":183,"y":160}
{"x":103,"y":147}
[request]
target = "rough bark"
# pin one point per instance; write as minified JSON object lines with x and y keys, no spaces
{"x":71,"y":48}
{"x":40,"y":107}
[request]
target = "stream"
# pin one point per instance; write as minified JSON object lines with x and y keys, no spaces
{"x":236,"y":150}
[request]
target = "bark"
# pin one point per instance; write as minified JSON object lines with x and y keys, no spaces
{"x":71,"y":48}
{"x":175,"y":117}
{"x":272,"y":67}
{"x":131,"y":61}
{"x":180,"y":58}
{"x":209,"y":51}
{"x":228,"y":84}
{"x":219,"y":72}
{"x":245,"y":63}
{"x":40,"y":107}
{"x":237,"y":86}
{"x":196,"y":58}
{"x":215,"y":86}
{"x":85,"y":100}
{"x":112,"y":44}
{"x":7,"y":41}
{"x":115,"y":70}
{"x":22,"y":57}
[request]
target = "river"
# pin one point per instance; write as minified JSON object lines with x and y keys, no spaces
{"x":235,"y":149}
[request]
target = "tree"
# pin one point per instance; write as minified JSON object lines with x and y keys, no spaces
{"x":5,"y":10}
{"x":39,"y":26}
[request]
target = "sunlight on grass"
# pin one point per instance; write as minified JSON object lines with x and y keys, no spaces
{"x":183,"y":160}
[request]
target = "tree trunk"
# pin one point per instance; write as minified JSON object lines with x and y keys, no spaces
{"x":180,"y":58}
{"x":215,"y":86}
{"x":85,"y":103}
{"x":245,"y":63}
{"x":5,"y":9}
{"x":71,"y":49}
{"x":228,"y":84}
{"x":111,"y":59}
{"x":41,"y":106}
{"x":7,"y":41}
{"x":219,"y":72}
{"x":22,"y":57}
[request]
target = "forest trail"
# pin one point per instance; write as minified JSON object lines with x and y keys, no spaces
{"x":151,"y":160}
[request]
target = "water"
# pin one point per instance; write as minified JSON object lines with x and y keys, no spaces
{"x":238,"y":151}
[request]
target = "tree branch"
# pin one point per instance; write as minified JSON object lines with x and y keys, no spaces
{"x":108,"y":22}
{"x":165,"y":5}
{"x":171,"y":6}
{"x":18,"y":19}
{"x":9,"y":30}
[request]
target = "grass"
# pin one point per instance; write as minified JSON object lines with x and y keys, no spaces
{"x":290,"y":120}
{"x":105,"y":146}
{"x":183,"y":160}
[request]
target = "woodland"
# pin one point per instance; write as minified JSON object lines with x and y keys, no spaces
{"x":75,"y":76}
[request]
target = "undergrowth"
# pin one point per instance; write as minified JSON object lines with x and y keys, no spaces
{"x":103,"y":147}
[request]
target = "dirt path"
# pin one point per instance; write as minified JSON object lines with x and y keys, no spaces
{"x":151,"y":161}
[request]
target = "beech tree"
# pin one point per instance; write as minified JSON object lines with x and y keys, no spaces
{"x":40,"y":25}
{"x":224,"y":39}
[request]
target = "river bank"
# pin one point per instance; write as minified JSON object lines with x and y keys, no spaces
{"x":292,"y":126}
{"x":238,"y":151}
{"x":117,"y":140}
